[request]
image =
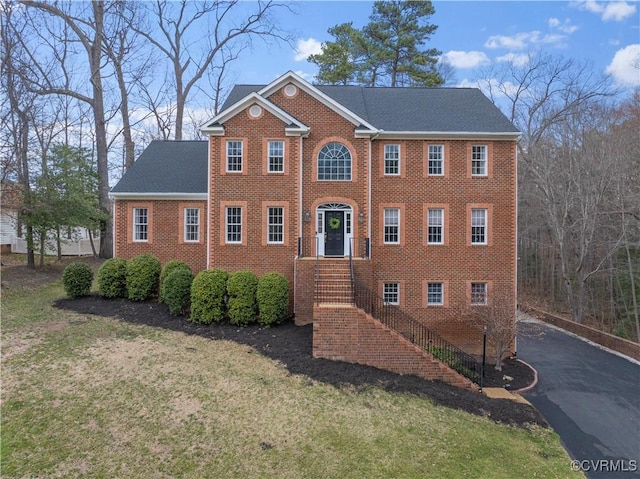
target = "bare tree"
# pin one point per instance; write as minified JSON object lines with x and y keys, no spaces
{"x":86,"y":22}
{"x":225,"y":26}
{"x":497,"y":319}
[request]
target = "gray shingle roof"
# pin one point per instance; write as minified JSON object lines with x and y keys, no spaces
{"x":449,"y":110}
{"x":167,"y":167}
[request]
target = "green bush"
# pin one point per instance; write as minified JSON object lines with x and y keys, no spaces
{"x":242,"y":286}
{"x":143,"y":273}
{"x":112,"y":278}
{"x":176,"y":290}
{"x":77,"y":278}
{"x":273,"y":298}
{"x":207,"y":296}
{"x":167,"y":269}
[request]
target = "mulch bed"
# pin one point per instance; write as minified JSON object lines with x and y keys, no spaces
{"x":292,"y":346}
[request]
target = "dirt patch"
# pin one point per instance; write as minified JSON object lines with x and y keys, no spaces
{"x":291,"y":346}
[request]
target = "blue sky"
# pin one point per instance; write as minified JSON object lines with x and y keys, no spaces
{"x":473,"y":33}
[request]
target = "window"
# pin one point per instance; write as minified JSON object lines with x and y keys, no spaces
{"x":192,"y":225}
{"x":275,"y":224}
{"x":392,"y":225}
{"x":392,"y":160}
{"x":435,"y":233}
{"x":436,"y":160}
{"x":391,"y":293}
{"x":479,"y":226}
{"x":478,"y":293}
{"x":435,"y":294}
{"x":334,"y":163}
{"x":234,"y":156}
{"x":276,"y":156}
{"x":479,"y":160}
{"x":140,"y":224}
{"x":234,"y":224}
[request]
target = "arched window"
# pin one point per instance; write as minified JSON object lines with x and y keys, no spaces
{"x":334,"y":162}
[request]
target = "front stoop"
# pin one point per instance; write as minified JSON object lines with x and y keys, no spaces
{"x":334,"y":281}
{"x":346,"y":333}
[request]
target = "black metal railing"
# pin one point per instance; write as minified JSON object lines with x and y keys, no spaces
{"x":415,"y":331}
{"x":308,"y":247}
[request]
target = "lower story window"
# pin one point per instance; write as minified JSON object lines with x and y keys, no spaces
{"x":391,"y":293}
{"x":140,"y":224}
{"x":192,"y":225}
{"x":435,"y":294}
{"x":234,"y":224}
{"x":479,"y":293}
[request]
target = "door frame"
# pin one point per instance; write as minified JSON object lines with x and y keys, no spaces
{"x":347,"y":226}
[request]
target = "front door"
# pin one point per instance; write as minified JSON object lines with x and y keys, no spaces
{"x":334,"y":233}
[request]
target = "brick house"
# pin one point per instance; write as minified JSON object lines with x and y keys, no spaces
{"x":408,"y":193}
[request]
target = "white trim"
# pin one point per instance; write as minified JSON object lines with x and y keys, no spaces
{"x":185,"y":224}
{"x":214,"y":126}
{"x":208,"y":234}
{"x":113,"y":228}
{"x":158,"y":196}
{"x":307,"y":87}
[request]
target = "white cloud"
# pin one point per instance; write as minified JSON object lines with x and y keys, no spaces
{"x":460,"y":59}
{"x":522,"y":40}
{"x":307,"y":47}
{"x":304,"y":75}
{"x":516,"y":59}
{"x":625,"y":66}
{"x":564,"y":27}
{"x":616,"y":11}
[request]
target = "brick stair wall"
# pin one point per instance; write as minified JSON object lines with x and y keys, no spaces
{"x":346,"y":333}
{"x":334,"y":277}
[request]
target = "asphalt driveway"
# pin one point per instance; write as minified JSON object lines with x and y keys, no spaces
{"x":590,"y":396}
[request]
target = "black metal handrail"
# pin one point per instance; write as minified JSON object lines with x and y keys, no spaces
{"x":416,"y":332}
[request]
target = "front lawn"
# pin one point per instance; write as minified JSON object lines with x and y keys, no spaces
{"x":92,"y":396}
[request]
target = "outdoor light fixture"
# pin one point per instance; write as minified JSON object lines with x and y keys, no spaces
{"x":307,"y":216}
{"x":360,"y":217}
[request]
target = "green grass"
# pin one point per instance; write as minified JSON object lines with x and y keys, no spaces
{"x":86,"y":396}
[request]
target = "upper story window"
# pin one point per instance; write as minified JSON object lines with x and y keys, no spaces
{"x":140,"y":224}
{"x":234,"y":156}
{"x":435,"y":294}
{"x":191,"y":225}
{"x":479,"y":160}
{"x":391,"y":293}
{"x":275,"y":156}
{"x":334,"y":162}
{"x":436,"y":160}
{"x":392,"y":160}
{"x":479,"y":292}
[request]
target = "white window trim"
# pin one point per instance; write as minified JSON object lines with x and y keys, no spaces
{"x":441,"y":303}
{"x":397,"y":293}
{"x":269,"y":170}
{"x":441,"y":160}
{"x":396,"y":159}
{"x":485,"y":160}
{"x":226,"y":225}
{"x":350,"y":170}
{"x":197,"y":224}
{"x":485,"y":226}
{"x":486,"y":294}
{"x":441,"y":225}
{"x":241,"y":156}
{"x":136,"y":224}
{"x":269,"y":224}
{"x":384,"y":226}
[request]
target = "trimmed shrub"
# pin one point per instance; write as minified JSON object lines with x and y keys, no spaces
{"x":112,"y":278}
{"x":207,"y":296}
{"x":273,"y":298}
{"x":77,"y":278}
{"x":242,"y":286}
{"x":176,"y":291}
{"x":167,"y":269}
{"x":143,"y":273}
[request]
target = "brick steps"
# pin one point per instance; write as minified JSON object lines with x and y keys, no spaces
{"x":334,"y":282}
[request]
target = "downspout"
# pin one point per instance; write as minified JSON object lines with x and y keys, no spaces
{"x":209,"y":203}
{"x":113,"y":233}
{"x":515,"y":282}
{"x":371,"y":139}
{"x":300,"y":227}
